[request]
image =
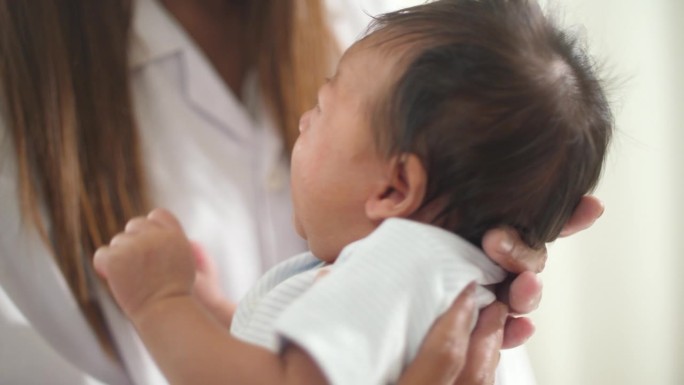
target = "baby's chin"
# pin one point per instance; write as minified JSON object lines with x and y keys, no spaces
{"x":316,"y":249}
{"x":298,"y":227}
{"x":325,"y":255}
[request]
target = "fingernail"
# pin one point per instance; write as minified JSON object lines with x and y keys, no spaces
{"x":535,"y":300}
{"x":603,"y":209}
{"x":532,"y":302}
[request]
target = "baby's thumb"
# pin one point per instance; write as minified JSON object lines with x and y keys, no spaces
{"x":100,"y":261}
{"x":203,"y":262}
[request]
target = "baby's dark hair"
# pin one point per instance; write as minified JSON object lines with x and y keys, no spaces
{"x":503,"y":108}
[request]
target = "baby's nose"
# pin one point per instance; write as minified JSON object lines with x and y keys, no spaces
{"x":304,"y":121}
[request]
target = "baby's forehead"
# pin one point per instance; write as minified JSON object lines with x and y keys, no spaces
{"x":386,"y":42}
{"x":363,"y":60}
{"x":378,"y":56}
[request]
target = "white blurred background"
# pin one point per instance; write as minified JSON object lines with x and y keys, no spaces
{"x":614,"y":302}
{"x":613,"y":309}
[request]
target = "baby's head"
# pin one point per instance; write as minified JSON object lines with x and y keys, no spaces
{"x":467,"y":114}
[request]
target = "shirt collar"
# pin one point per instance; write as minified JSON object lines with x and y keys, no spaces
{"x":155,"y":34}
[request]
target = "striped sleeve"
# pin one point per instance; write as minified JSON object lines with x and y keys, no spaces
{"x":366,"y":319}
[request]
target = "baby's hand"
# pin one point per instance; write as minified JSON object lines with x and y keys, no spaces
{"x":151,"y":260}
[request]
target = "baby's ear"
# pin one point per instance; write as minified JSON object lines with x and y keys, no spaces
{"x":402,"y":192}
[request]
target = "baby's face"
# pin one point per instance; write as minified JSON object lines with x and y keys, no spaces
{"x":335,"y":165}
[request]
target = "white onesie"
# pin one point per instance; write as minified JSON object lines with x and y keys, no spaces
{"x":365,"y":320}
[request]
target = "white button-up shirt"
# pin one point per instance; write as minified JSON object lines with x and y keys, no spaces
{"x":214,"y":161}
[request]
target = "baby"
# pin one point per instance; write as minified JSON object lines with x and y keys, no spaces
{"x":446,"y":120}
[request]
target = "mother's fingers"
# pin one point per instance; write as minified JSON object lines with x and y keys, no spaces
{"x":505,"y":247}
{"x":516,"y":332}
{"x":485,"y":345}
{"x":442,"y":355}
{"x":522,"y":293}
{"x":586,"y":213}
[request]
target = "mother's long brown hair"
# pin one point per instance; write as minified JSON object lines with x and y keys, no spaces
{"x":65,"y":96}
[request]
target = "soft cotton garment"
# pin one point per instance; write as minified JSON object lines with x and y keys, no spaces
{"x":365,"y":319}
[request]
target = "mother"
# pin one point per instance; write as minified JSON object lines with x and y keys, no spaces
{"x":108,"y":108}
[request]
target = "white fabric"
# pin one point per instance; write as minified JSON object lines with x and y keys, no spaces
{"x":349,"y":18}
{"x":208,"y":158}
{"x":365,"y":320}
{"x":32,"y":288}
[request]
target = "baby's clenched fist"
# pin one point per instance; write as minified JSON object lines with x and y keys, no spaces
{"x":150,"y":261}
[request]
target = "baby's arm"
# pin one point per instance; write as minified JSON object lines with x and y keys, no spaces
{"x":150,"y":270}
{"x":191,"y":348}
{"x":207,"y":288}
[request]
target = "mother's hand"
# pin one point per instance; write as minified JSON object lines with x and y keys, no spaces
{"x":450,"y":354}
{"x":523,"y":293}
